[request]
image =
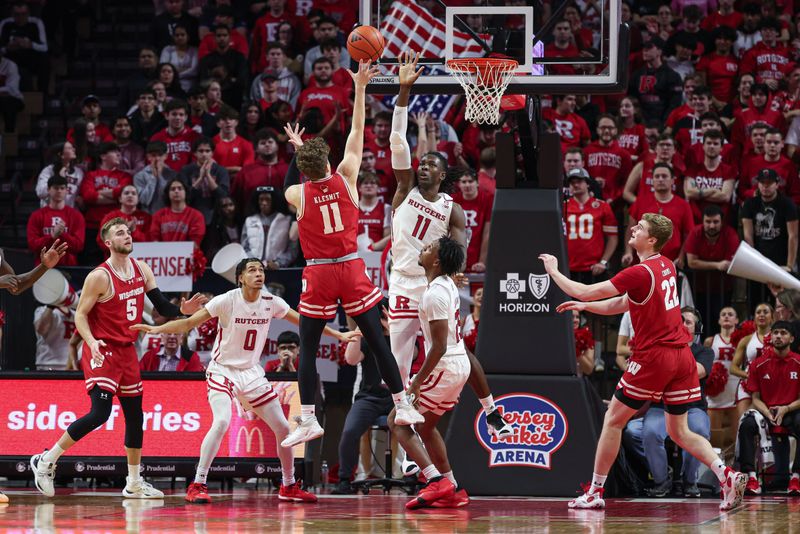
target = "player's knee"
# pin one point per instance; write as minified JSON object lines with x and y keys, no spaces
{"x":221,"y":423}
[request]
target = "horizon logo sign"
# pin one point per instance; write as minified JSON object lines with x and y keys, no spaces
{"x":521,"y":296}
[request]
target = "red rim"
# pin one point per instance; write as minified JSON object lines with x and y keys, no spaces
{"x":472,"y":64}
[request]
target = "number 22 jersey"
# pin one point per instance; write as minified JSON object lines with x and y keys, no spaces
{"x":652,"y":289}
{"x":243,"y":326}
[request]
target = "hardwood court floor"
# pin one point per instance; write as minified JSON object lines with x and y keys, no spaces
{"x":260,"y":511}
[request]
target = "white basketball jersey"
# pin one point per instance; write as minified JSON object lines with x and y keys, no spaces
{"x":754,"y":346}
{"x":440,"y":301}
{"x":415,"y":223}
{"x":243,"y":326}
{"x":723,"y":351}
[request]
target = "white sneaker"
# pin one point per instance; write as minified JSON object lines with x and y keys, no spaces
{"x":590,"y":499}
{"x":306,"y":430}
{"x":139,"y":489}
{"x":43,"y":475}
{"x":732,"y":489}
{"x":405,"y":414}
{"x":409,"y":468}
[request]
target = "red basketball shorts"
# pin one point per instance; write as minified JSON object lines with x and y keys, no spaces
{"x":327,"y":285}
{"x":662,"y":372}
{"x":119,"y":372}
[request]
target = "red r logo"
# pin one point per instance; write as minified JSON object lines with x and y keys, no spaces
{"x":402,"y":303}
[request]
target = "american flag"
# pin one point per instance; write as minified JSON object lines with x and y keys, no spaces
{"x":409,"y":26}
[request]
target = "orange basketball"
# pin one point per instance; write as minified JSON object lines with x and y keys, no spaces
{"x":365,"y":42}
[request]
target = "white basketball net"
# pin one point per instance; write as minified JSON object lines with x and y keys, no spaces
{"x":484,"y":81}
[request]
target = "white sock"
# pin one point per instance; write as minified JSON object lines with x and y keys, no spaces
{"x":431,"y":472}
{"x":307,"y":411}
{"x":53,"y":454}
{"x":201,"y":475}
{"x":133,"y":472}
{"x":488,"y":404}
{"x":449,"y":476}
{"x":288,"y":478}
{"x":400,"y":398}
{"x":718,"y":468}
{"x":795,"y":475}
{"x":752,"y":474}
{"x":598,"y":481}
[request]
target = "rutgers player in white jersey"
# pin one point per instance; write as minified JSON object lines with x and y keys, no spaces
{"x":439,"y":382}
{"x":725,"y":402}
{"x":422,"y":215}
{"x":244,"y":315}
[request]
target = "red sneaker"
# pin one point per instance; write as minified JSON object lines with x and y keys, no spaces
{"x":434,"y":491}
{"x":198,"y":493}
{"x":794,"y":486}
{"x":753,"y":487}
{"x":457,"y":500}
{"x":295,"y":493}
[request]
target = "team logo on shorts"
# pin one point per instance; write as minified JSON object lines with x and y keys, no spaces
{"x":540,"y":428}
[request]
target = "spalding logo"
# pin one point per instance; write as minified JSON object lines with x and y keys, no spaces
{"x":540,"y":428}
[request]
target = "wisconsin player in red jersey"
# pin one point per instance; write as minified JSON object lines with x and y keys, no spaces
{"x":327,"y":219}
{"x":111,"y":302}
{"x":662,"y":365}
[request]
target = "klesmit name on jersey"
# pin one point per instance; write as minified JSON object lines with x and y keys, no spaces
{"x":245,"y":320}
{"x":414,"y":204}
{"x":131,"y":293}
{"x":326,"y":198}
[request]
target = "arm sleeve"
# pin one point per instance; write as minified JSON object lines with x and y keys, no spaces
{"x":41,"y":46}
{"x":401,"y":152}
{"x":292,"y":174}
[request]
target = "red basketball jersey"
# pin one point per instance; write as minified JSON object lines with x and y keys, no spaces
{"x":111,"y":319}
{"x":652,"y":288}
{"x":328,"y":220}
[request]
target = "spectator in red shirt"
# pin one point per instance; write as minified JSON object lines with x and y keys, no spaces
{"x":288,"y":353}
{"x":178,"y":137}
{"x":687,"y":90}
{"x":687,"y":130}
{"x":374,"y":214}
{"x":759,"y":111}
{"x":563,"y":45}
{"x":138,"y":220}
{"x":607,"y":162}
{"x":131,"y":154}
{"x":332,"y":50}
{"x":266,"y":169}
{"x":171,"y":356}
{"x":288,"y":85}
{"x":226,"y":65}
{"x":381,"y":154}
{"x":632,"y":137}
{"x":177,"y":222}
{"x":223,"y":17}
{"x":200,"y":120}
{"x":573,"y":159}
{"x":480,"y":136}
{"x":584,"y":37}
{"x":772,"y":158}
{"x":265,"y":31}
{"x":231,"y":150}
{"x":695,"y":154}
{"x":55,"y":221}
{"x":664,"y":202}
{"x":477,"y":205}
{"x":725,"y":16}
{"x":324,"y":94}
{"x":591,"y":231}
{"x":572,"y":129}
{"x":774,"y":383}
{"x":487,"y":169}
{"x":91,"y":110}
{"x":712,"y":181}
{"x":769,"y":59}
{"x":640,"y":180}
{"x":207,"y":180}
{"x":325,"y":30}
{"x":719,"y":69}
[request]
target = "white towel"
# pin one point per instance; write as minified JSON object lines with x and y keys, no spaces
{"x":764,"y":437}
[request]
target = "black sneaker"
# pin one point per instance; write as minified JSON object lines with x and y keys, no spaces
{"x":660,"y":490}
{"x":498,"y":426}
{"x":344,"y":487}
{"x":691,"y":490}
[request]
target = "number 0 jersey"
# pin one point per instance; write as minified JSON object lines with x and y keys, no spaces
{"x":328,"y":218}
{"x":652,"y":289}
{"x":110,"y":319}
{"x":415,"y":223}
{"x":441,"y":302}
{"x":243,"y":326}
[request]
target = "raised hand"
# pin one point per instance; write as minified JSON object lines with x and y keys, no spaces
{"x":408,"y":72}
{"x":366,"y":71}
{"x":146,"y":328}
{"x":351,"y":336}
{"x":295,"y":134}
{"x":97,"y":355}
{"x":571,"y":305}
{"x":52,"y":255}
{"x":10,"y":282}
{"x":188,"y":307}
{"x":550,"y":262}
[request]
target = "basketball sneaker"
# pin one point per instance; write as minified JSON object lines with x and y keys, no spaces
{"x":295,"y":493}
{"x":43,"y":475}
{"x":794,"y":486}
{"x":733,"y":489}
{"x":405,"y":414}
{"x":457,"y":500}
{"x":139,"y":489}
{"x":306,"y":430}
{"x":436,"y":489}
{"x":409,"y":467}
{"x":198,"y":493}
{"x":753,"y":487}
{"x":592,"y":498}
{"x":498,"y":426}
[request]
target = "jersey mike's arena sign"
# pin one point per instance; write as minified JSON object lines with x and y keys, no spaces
{"x":540,"y":429}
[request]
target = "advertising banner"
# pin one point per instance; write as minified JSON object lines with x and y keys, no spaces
{"x":171,"y":263}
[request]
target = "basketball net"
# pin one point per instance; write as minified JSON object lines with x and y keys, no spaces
{"x":484,"y":81}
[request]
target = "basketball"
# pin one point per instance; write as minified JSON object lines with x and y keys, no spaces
{"x":365,"y":43}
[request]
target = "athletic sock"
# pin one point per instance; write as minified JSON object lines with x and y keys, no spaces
{"x":133,"y":472}
{"x":201,"y":475}
{"x":400,"y":398}
{"x":796,"y":475}
{"x":752,"y":474}
{"x":431,"y":472}
{"x":718,"y":468}
{"x":53,"y":454}
{"x":307,"y":411}
{"x":288,"y":479}
{"x":598,"y":481}
{"x":488,"y":404}
{"x":449,"y":476}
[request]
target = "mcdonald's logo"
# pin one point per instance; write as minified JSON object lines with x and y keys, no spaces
{"x":248,"y":439}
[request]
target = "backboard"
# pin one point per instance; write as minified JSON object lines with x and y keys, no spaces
{"x":581,"y":47}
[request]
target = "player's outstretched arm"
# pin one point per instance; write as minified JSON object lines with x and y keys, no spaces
{"x":353,"y":150}
{"x":613,"y":306}
{"x":17,"y":283}
{"x":345,"y":337}
{"x":598,"y":291}
{"x":179,"y":326}
{"x":401,"y":152}
{"x":160,"y":302}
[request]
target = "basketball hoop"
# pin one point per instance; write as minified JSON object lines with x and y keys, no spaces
{"x":484,"y":81}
